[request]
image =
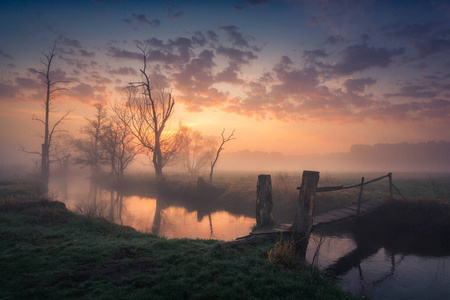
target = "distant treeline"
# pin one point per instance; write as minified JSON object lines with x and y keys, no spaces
{"x":401,"y":157}
{"x":429,"y":156}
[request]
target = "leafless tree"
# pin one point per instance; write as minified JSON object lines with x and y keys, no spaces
{"x":49,"y":130}
{"x":117,"y":141}
{"x":196,"y":150}
{"x":61,"y":151}
{"x":224,"y":140}
{"x":146,"y":113}
{"x":89,"y":150}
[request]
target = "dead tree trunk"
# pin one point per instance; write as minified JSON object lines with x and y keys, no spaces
{"x":301,"y":228}
{"x":224,"y":140}
{"x":264,"y":204}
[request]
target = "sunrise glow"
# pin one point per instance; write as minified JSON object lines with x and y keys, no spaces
{"x":292,"y":77}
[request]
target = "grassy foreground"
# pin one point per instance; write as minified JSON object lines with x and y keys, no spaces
{"x":48,"y":252}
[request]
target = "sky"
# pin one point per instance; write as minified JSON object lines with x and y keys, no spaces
{"x":295,"y":77}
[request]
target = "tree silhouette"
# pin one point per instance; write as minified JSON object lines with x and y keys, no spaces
{"x":49,"y":130}
{"x":224,"y":140}
{"x":117,"y":141}
{"x":89,"y":150}
{"x":146,"y":113}
{"x":196,"y":150}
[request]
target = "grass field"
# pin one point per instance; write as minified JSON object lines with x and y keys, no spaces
{"x":48,"y":252}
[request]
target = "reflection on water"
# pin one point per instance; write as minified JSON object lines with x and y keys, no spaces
{"x":157,"y":216}
{"x":401,"y":268}
{"x":377,"y":268}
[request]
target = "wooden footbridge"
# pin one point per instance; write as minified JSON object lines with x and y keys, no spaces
{"x":340,"y":214}
{"x":304,"y":221}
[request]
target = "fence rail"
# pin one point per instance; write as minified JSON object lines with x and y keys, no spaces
{"x":344,"y":187}
{"x":362,"y":184}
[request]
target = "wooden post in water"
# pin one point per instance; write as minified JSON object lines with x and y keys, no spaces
{"x":264,"y":204}
{"x":390,"y":184}
{"x":360,"y":197}
{"x":301,"y":228}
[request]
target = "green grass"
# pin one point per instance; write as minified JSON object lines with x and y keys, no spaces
{"x":48,"y":252}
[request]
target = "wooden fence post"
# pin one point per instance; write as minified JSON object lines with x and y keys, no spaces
{"x":264,"y":204}
{"x":360,"y":196}
{"x":301,"y":228}
{"x":390,"y":184}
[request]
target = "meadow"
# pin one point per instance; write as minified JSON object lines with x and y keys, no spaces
{"x":49,"y":252}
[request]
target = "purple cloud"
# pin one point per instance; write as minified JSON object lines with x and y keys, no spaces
{"x":28,"y":83}
{"x":237,"y":56}
{"x":431,"y":46}
{"x":63,"y":40}
{"x":124,"y":54}
{"x":230,"y":75}
{"x":7,"y":91}
{"x":312,"y":55}
{"x":196,"y":76}
{"x":358,"y":85}
{"x":360,"y":57}
{"x":409,"y":31}
{"x":173,"y":12}
{"x":141,"y":18}
{"x":5,"y":55}
{"x":334,"y":39}
{"x":426,"y":39}
{"x":86,"y":53}
{"x":413,"y":91}
{"x":235,"y":36}
{"x":124,"y":71}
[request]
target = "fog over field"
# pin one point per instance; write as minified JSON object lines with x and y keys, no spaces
{"x":428,"y":157}
{"x":422,"y":158}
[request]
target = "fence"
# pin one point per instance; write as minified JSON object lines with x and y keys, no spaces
{"x":361,"y":184}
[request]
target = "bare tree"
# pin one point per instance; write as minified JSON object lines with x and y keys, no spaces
{"x":117,"y":141}
{"x":49,"y":130}
{"x":196,"y":150}
{"x":146,"y":113}
{"x":224,"y":140}
{"x":89,"y":150}
{"x":62,"y":151}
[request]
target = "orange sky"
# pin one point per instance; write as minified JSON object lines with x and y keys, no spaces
{"x":291,"y":77}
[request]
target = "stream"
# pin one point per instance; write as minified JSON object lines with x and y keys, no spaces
{"x":360,"y":263}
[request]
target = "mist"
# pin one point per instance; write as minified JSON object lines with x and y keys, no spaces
{"x":427,"y":157}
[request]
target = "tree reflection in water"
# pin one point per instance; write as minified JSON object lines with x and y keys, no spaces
{"x":382,"y":264}
{"x":163,"y":216}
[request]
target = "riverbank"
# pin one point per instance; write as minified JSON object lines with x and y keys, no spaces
{"x":49,"y":252}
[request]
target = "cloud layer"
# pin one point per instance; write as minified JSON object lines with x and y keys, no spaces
{"x":341,"y":78}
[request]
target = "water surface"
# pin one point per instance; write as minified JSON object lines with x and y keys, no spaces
{"x":381,"y":269}
{"x":361,"y":263}
{"x":161,"y":217}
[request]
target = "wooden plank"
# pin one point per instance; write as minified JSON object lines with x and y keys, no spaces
{"x":328,"y":217}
